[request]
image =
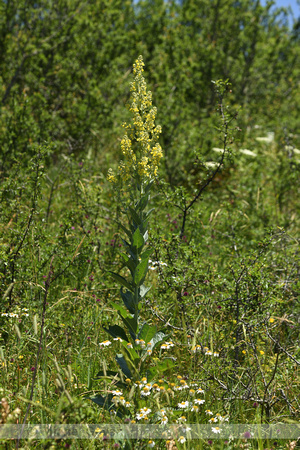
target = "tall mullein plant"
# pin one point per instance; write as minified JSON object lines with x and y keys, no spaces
{"x":136,"y":173}
{"x":134,"y":179}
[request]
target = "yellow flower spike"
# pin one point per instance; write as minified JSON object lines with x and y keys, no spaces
{"x":142,"y":153}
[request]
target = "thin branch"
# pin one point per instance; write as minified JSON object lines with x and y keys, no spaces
{"x":47,"y":286}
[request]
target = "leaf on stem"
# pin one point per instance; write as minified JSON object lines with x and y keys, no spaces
{"x":123,"y":364}
{"x":143,"y":290}
{"x":137,"y":239}
{"x":128,"y":300}
{"x":116,"y":331}
{"x":140,"y":272}
{"x":147,"y":332}
{"x":121,"y":280}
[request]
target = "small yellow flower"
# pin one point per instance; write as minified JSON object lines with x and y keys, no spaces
{"x":271,"y":320}
{"x":261,"y":352}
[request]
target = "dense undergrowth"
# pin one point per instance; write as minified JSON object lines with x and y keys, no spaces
{"x":223,"y":235}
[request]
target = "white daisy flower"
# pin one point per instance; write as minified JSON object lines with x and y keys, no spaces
{"x":117,"y":392}
{"x":183,"y":405}
{"x":105,"y":343}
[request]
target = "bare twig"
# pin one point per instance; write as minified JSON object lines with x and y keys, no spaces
{"x":47,"y":286}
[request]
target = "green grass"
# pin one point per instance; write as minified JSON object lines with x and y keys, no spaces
{"x":230,"y":286}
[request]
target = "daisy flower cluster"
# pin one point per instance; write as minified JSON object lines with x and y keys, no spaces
{"x":153,"y":265}
{"x":183,"y":397}
{"x":18,"y":314}
{"x":207,"y":352}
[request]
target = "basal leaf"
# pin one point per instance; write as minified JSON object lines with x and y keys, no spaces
{"x":123,"y":364}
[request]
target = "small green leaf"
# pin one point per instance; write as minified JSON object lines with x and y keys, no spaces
{"x":143,"y":290}
{"x":121,"y":280}
{"x":129,"y":262}
{"x":135,"y":216}
{"x":108,"y":373}
{"x":147,"y":214}
{"x":146,"y":254}
{"x":140,"y":272}
{"x":128,"y":232}
{"x":143,"y":202}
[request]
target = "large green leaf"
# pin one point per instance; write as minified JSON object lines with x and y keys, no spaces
{"x":131,"y":324}
{"x":121,"y":280}
{"x":137,"y":239}
{"x":128,"y":300}
{"x":116,"y":331}
{"x":158,"y":338}
{"x":123,"y":364}
{"x":147,"y":332}
{"x":140,"y":272}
